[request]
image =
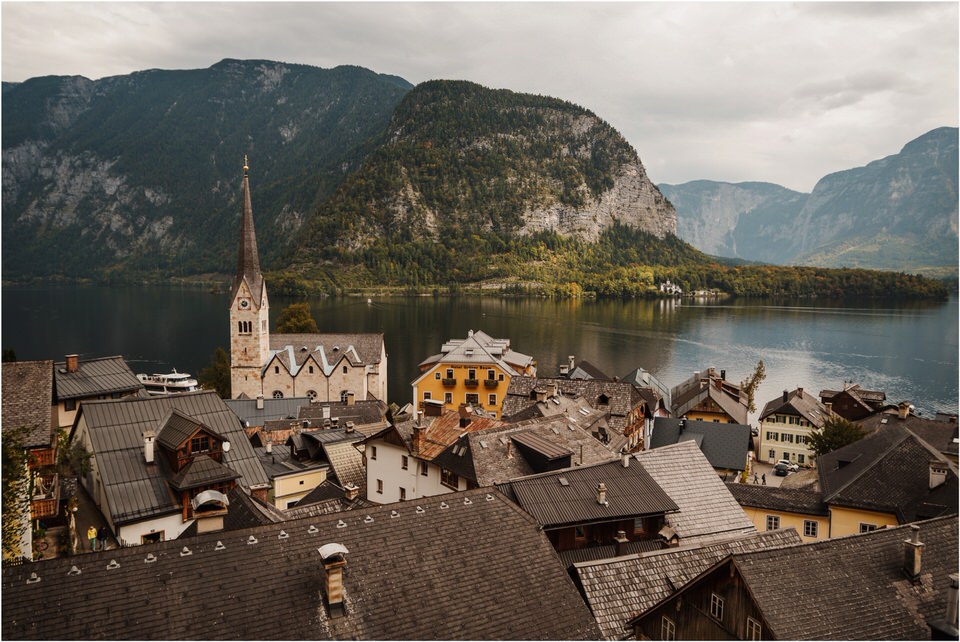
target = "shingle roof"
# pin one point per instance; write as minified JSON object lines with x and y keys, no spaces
{"x":939,"y":434}
{"x":617,"y":589}
{"x":136,"y":490}
{"x":347,"y":464}
{"x":28,"y":401}
{"x":799,"y":402}
{"x":802,"y":597}
{"x":622,"y":397}
{"x":724,"y":445}
{"x":94,"y":377}
{"x":361,"y":413}
{"x":888,"y":471}
{"x":688,"y":394}
{"x":707,"y":509}
{"x":796,"y":500}
{"x":569,"y":496}
{"x":406,"y":565}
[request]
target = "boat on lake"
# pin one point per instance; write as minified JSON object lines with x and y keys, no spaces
{"x":168,"y":384}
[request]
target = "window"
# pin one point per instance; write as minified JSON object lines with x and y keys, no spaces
{"x":310,"y":369}
{"x":449,"y":373}
{"x":311,"y":394}
{"x":449,"y":478}
{"x":276,"y":369}
{"x":448,"y":397}
{"x":800,"y":459}
{"x":471,"y":374}
{"x":152,"y":538}
{"x":716,"y":606}
{"x":773,"y":522}
{"x":801,"y":439}
{"x":753,"y":629}
{"x":500,"y":378}
{"x":424,"y":468}
{"x":786,"y":455}
{"x":373,"y":452}
{"x":771,"y":436}
{"x":472,"y":399}
{"x":200,"y":444}
{"x":866,"y":528}
{"x":787,"y":438}
{"x":668,"y":630}
{"x":772,"y":454}
{"x":437,"y":375}
{"x":492,"y":400}
{"x":69,"y":404}
{"x":404,"y":461}
{"x":809,"y":528}
{"x":427,"y":395}
{"x":491,"y":374}
{"x":344,"y":369}
{"x":403,"y":494}
{"x":380,"y":486}
{"x":277,"y":394}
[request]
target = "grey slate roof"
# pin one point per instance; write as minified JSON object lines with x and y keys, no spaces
{"x":619,"y":588}
{"x":28,"y":401}
{"x":888,"y":471}
{"x":327,"y":350}
{"x":362,"y":412}
{"x":136,"y":490}
{"x":708,"y":511}
{"x":406,"y":566}
{"x":800,"y":593}
{"x":95,"y":377}
{"x":286,"y":408}
{"x":939,"y":434}
{"x":622,"y":397}
{"x":724,"y":445}
{"x":797,"y":500}
{"x":631,"y":492}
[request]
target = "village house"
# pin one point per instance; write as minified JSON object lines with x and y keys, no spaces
{"x":29,"y":421}
{"x":475,"y":371}
{"x":617,"y":589}
{"x":940,"y":433}
{"x":582,"y":369}
{"x":708,"y":396}
{"x":158,"y":463}
{"x":324,"y":367}
{"x":785,"y":425}
{"x":898,"y":583}
{"x":888,"y":478}
{"x":726,"y":446}
{"x":853,"y":402}
{"x":77,"y":381}
{"x":621,"y":402}
{"x":345,"y":575}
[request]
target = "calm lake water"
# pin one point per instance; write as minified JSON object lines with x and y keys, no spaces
{"x":909,"y":350}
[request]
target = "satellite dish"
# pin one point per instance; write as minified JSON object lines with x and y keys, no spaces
{"x":226,"y":446}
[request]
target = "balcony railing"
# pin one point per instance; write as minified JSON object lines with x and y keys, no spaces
{"x":471,"y":383}
{"x":449,"y":382}
{"x":46,"y":495}
{"x":490,"y":383}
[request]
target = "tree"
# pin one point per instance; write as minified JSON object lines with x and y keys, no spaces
{"x":835,"y":433}
{"x":72,"y":456}
{"x":296,"y":318}
{"x":16,"y":495}
{"x":216,"y":376}
{"x":749,"y":385}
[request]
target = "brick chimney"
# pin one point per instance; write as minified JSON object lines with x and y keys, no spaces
{"x":417,"y":439}
{"x":73,"y":362}
{"x":334,"y":563}
{"x":149,"y":435}
{"x":913,"y":554}
{"x":619,"y":543}
{"x":786,"y":396}
{"x":351,"y":492}
{"x":466,"y":415}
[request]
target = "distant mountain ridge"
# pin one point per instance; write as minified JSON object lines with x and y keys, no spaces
{"x":897,"y":213}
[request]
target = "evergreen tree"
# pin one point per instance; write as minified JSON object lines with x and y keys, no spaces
{"x":296,"y":318}
{"x":836,"y":433}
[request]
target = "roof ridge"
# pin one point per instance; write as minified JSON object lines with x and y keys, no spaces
{"x":883,"y":455}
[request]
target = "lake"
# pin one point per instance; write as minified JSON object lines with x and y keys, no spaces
{"x":910,"y":350}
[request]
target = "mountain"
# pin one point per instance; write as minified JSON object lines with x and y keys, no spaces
{"x":141,"y":173}
{"x":897,"y":213}
{"x":463,"y":159}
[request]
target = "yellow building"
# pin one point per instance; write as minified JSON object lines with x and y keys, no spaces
{"x":785,"y":425}
{"x":771,"y":508}
{"x":475,"y":371}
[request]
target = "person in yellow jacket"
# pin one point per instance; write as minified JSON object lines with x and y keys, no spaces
{"x":92,"y":536}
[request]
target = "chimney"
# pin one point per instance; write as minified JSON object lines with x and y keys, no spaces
{"x":602,"y":494}
{"x":903,"y":409}
{"x":349,"y":429}
{"x":682,"y":425}
{"x":73,"y":363}
{"x":148,"y":436}
{"x":723,"y":375}
{"x":913,"y":554}
{"x":800,"y":392}
{"x":351,"y":492}
{"x":326,"y":412}
{"x":420,"y":418}
{"x":333,"y":564}
{"x":619,"y":543}
{"x":786,"y":396}
{"x":466,"y":415}
{"x":350,"y":399}
{"x":417,"y":438}
{"x":269,"y":447}
{"x":259,"y":402}
{"x":571,"y":362}
{"x":829,"y":406}
{"x":509,"y":449}
{"x":938,"y":473}
{"x":625,"y":459}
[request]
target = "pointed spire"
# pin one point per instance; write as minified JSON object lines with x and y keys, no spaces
{"x":248,"y":260}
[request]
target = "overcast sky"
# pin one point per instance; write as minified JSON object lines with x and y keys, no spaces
{"x":784,"y":93}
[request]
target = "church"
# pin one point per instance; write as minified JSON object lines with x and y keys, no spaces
{"x":323,"y":367}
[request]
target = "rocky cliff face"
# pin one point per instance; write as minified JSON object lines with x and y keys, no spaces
{"x":897,"y":213}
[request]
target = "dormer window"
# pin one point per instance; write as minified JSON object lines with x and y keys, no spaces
{"x":200,"y":444}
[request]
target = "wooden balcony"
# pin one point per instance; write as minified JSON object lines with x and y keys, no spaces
{"x":449,"y":382}
{"x":471,"y":383}
{"x":46,"y":495}
{"x":490,"y":383}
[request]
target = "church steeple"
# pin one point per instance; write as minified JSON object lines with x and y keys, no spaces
{"x":248,"y":260}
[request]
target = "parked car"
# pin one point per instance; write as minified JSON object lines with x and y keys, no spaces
{"x":791,"y":467}
{"x":781,"y":470}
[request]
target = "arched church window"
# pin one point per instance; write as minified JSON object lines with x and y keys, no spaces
{"x":277,"y":394}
